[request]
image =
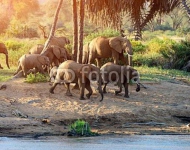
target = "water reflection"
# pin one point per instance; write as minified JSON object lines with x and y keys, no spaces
{"x":135,"y":142}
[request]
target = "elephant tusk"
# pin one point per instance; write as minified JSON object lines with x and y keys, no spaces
{"x":130,"y":55}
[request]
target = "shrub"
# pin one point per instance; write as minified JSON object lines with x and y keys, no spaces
{"x":149,"y":59}
{"x":138,"y":47}
{"x":178,"y":54}
{"x":80,"y":128}
{"x":34,"y":78}
{"x":154,"y":45}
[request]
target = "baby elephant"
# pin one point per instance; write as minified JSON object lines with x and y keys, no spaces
{"x":30,"y":61}
{"x":121,"y":75}
{"x":53,"y":73}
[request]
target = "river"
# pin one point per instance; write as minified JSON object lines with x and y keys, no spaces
{"x":113,"y":142}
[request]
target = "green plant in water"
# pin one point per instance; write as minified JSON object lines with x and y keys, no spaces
{"x":34,"y":78}
{"x":80,"y":128}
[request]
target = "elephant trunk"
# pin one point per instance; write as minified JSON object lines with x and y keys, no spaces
{"x":7,"y":60}
{"x":130,"y":53}
{"x":138,"y":85}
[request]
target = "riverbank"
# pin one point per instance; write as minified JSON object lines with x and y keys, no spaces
{"x":30,"y":110}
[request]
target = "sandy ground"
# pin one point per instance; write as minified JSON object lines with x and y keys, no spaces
{"x":30,"y":110}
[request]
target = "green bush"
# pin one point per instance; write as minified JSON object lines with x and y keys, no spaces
{"x":170,"y":33}
{"x":150,"y":60}
{"x":138,"y":47}
{"x":154,"y":45}
{"x":80,"y":128}
{"x":35,"y":78}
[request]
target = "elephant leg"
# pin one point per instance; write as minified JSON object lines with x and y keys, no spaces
{"x":76,"y":86}
{"x":98,"y":61}
{"x":123,"y":59}
{"x":88,"y":87}
{"x":51,"y":90}
{"x":115,"y":56}
{"x":104,"y":88}
{"x":126,"y":89}
{"x":82,"y":88}
{"x":40,"y":69}
{"x":18,"y":69}
{"x":24,"y":71}
{"x":68,"y":92}
{"x":120,"y":89}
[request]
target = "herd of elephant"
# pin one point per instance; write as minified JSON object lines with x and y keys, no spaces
{"x":64,"y":70}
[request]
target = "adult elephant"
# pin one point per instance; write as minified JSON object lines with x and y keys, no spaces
{"x":59,"y":41}
{"x":3,"y":50}
{"x":72,"y":72}
{"x":102,"y":47}
{"x":55,"y":53}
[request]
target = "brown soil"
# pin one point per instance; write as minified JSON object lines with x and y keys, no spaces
{"x":30,"y":110}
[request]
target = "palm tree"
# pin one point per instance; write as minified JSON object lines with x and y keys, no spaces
{"x":81,"y":24}
{"x":109,"y":12}
{"x":75,"y":31}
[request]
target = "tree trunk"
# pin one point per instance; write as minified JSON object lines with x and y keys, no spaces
{"x":75,"y":26}
{"x":81,"y":24}
{"x":53,"y":27}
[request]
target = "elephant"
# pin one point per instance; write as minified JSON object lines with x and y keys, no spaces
{"x":59,"y":41}
{"x":55,"y":53}
{"x":4,"y":50}
{"x":53,"y":73}
{"x":73,"y":72}
{"x":102,"y":47}
{"x":121,"y":75}
{"x":30,"y":61}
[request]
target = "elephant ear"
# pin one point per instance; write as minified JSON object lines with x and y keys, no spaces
{"x":116,"y":43}
{"x":56,"y":51}
{"x":42,"y":59}
{"x":63,"y":53}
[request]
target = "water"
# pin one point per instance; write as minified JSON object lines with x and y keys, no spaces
{"x":132,"y":142}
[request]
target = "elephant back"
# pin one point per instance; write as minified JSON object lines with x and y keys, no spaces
{"x":36,"y":49}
